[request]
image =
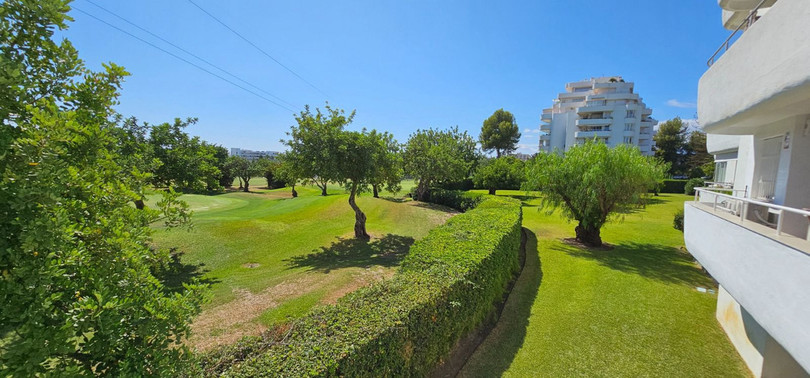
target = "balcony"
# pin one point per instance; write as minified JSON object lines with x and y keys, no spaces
{"x":591,"y":134}
{"x":588,"y":108}
{"x":545,"y":128}
{"x":579,"y":96}
{"x":594,"y":122}
{"x":546,"y":117}
{"x":545,"y":137}
{"x":765,"y":270}
{"x":762,"y":77}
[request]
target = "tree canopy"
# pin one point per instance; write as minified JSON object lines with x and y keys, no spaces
{"x":322,"y":151}
{"x":77,"y":274}
{"x":500,"y":133}
{"x":669,"y":145}
{"x":312,"y":144}
{"x":244,"y":169}
{"x":592,"y":182}
{"x":505,"y":172}
{"x":434,"y":156}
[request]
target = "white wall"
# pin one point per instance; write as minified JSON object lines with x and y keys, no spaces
{"x":763,"y":77}
{"x":767,"y":278}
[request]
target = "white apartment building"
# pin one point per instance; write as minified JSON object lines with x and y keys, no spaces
{"x":750,"y":230}
{"x":604,"y":108}
{"x":253,"y":155}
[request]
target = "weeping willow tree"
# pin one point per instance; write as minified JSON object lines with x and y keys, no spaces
{"x":592,"y":183}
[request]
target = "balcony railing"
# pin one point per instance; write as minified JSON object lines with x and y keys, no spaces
{"x":722,"y":201}
{"x":745,"y":24}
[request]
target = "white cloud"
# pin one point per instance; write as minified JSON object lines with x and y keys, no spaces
{"x":531,"y":131}
{"x":680,"y":104}
{"x":527,"y":148}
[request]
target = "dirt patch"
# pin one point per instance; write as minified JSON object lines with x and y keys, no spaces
{"x":251,"y":265}
{"x":366,"y":278}
{"x":228,"y":322}
{"x":576,"y":243}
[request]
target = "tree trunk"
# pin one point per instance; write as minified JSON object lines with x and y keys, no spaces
{"x":246,"y":185}
{"x":294,"y":193}
{"x":359,"y":217}
{"x":421,"y":192}
{"x":497,"y":153}
{"x":589,"y":235}
{"x":139,"y":204}
{"x":492,"y":191}
{"x":323,"y":188}
{"x":376,"y":191}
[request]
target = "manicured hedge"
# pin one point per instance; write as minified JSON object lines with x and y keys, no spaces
{"x":673,"y":186}
{"x":456,"y":199}
{"x":448,"y":285}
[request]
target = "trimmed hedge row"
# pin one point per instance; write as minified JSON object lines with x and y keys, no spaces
{"x":673,"y":186}
{"x":456,"y":199}
{"x":404,"y":326}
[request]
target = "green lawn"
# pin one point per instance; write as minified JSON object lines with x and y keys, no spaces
{"x":270,"y":257}
{"x":632,"y":311}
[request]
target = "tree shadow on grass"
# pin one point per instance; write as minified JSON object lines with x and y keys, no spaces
{"x":177,"y":273}
{"x":649,"y":201}
{"x":653,"y":261}
{"x":526,"y":200}
{"x":394,"y":199}
{"x":499,"y":349}
{"x":349,"y":252}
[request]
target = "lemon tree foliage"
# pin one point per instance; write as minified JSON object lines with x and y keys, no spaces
{"x":433,"y":157}
{"x":593,"y":182}
{"x":505,"y":172}
{"x":500,"y":133}
{"x":76,"y":272}
{"x":312,"y":144}
{"x":322,"y":151}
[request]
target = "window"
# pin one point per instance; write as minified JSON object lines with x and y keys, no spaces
{"x":628,"y":140}
{"x":720,"y":171}
{"x":767,"y":166}
{"x":631,"y":114}
{"x":628,"y":127}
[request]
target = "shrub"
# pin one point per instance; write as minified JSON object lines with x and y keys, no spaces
{"x":447,"y":286}
{"x":693,"y":183}
{"x":677,"y":223}
{"x":673,"y":186}
{"x":461,"y":201}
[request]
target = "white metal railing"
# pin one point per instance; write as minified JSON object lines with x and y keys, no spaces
{"x":745,"y":24}
{"x":739,"y":206}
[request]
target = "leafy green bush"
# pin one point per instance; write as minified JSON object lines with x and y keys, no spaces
{"x":673,"y":186}
{"x":447,"y":286}
{"x":677,"y":223}
{"x":461,"y":201}
{"x":693,"y":183}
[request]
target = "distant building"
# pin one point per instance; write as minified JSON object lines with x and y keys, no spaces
{"x":604,"y":108}
{"x":522,"y":156}
{"x":750,"y":229}
{"x":253,"y":155}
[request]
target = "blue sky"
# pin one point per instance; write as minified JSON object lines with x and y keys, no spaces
{"x":402,"y":65}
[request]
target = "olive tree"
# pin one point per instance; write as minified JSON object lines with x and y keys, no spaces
{"x":592,"y":183}
{"x":435,"y":156}
{"x":505,"y":172}
{"x":78,"y":292}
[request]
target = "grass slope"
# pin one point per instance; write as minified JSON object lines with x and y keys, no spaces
{"x":270,"y":257}
{"x":632,"y":311}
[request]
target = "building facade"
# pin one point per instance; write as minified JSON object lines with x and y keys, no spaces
{"x":253,"y":155}
{"x":750,"y":230}
{"x":604,"y":108}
